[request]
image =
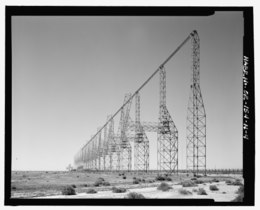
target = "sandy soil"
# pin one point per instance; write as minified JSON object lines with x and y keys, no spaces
{"x":49,"y":185}
{"x":225,"y":193}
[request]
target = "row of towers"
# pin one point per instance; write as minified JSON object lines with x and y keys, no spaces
{"x":108,"y":150}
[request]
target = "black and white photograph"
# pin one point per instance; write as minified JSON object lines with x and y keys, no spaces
{"x":132,"y":103}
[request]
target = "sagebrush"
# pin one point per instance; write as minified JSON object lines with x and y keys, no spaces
{"x":68,"y":190}
{"x":134,"y":195}
{"x":164,"y":187}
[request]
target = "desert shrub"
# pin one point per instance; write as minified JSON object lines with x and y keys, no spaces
{"x":101,"y":179}
{"x":85,"y":185}
{"x":99,"y":182}
{"x":134,"y":177}
{"x":124,"y":177}
{"x":46,"y":172}
{"x":213,"y":188}
{"x":237,"y":183}
{"x":168,"y":178}
{"x":193,"y":178}
{"x":159,"y":177}
{"x":91,"y":191}
{"x":224,"y":193}
{"x":164,"y":187}
{"x":239,"y":198}
{"x":215,"y":180}
{"x":106,"y":184}
{"x":240,"y":189}
{"x":68,"y":190}
{"x":201,"y":191}
{"x":194,"y":190}
{"x":136,"y":181}
{"x":134,"y":195}
{"x":228,"y":182}
{"x":118,"y":190}
{"x":184,"y":192}
{"x":188,"y":184}
{"x":198,"y":181}
{"x":74,"y":186}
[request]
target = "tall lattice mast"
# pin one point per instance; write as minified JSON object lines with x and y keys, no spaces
{"x":125,"y":149}
{"x":112,"y":146}
{"x":105,"y":149}
{"x":141,"y":142}
{"x":196,"y":116}
{"x":167,"y":143}
{"x":99,"y":149}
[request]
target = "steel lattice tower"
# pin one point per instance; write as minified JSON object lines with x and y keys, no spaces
{"x":125,"y":149}
{"x":99,"y":149}
{"x":105,"y":149}
{"x":167,"y":143}
{"x":196,"y":116}
{"x":141,"y":142}
{"x":112,"y":146}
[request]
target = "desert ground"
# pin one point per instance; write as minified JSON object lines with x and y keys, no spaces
{"x":87,"y":184}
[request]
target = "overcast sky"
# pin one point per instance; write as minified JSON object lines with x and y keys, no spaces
{"x":69,"y":73}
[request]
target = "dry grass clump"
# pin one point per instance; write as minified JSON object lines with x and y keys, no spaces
{"x":184,"y":192}
{"x":91,"y":191}
{"x":68,"y":190}
{"x":164,"y":177}
{"x":201,"y":191}
{"x":106,"y":183}
{"x":188,"y":184}
{"x":134,"y":195}
{"x":164,"y":187}
{"x":118,"y":190}
{"x":213,"y":188}
{"x":198,"y":181}
{"x":101,"y":182}
{"x":138,"y":180}
{"x":237,"y":182}
{"x":194,"y":190}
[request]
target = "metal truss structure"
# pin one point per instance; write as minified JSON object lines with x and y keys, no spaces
{"x":125,"y":149}
{"x":196,"y":115}
{"x":109,"y":151}
{"x":167,"y":148}
{"x":141,"y":142}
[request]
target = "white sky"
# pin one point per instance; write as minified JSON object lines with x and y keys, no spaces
{"x":69,"y":73}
